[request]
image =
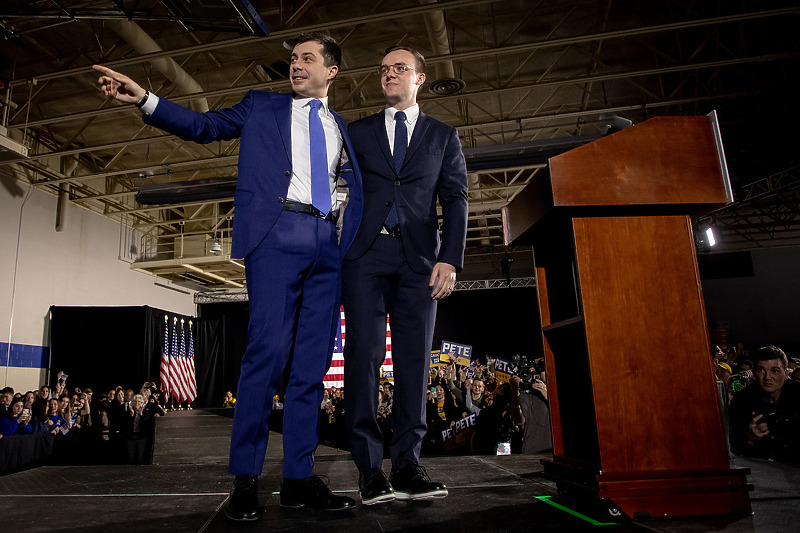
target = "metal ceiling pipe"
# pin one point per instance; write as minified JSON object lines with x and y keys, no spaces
{"x":440,"y":43}
{"x":144,"y":44}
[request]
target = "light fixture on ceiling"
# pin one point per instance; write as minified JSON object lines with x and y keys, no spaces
{"x":446,"y":86}
{"x":215,"y":247}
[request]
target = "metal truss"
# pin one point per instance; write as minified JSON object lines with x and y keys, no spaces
{"x":481,"y":284}
{"x":766,"y":214}
{"x":240,"y":295}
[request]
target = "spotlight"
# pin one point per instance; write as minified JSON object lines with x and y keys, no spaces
{"x":710,"y":236}
{"x":706,"y":236}
{"x":215,"y":248}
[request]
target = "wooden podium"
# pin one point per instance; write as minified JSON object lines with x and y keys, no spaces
{"x":633,"y":401}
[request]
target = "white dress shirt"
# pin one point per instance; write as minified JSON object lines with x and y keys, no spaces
{"x":412,"y":114}
{"x":300,"y":183}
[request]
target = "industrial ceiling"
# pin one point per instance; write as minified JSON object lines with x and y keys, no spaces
{"x":521,"y":80}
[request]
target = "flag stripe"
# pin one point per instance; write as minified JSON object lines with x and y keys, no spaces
{"x":335,"y":375}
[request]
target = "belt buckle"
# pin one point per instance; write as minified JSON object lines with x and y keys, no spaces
{"x":394,"y":232}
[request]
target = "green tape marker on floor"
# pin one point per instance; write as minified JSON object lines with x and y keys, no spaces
{"x":546,"y":499}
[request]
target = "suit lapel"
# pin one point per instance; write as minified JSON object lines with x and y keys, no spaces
{"x":416,"y":137}
{"x":379,"y":126}
{"x":282,"y":107}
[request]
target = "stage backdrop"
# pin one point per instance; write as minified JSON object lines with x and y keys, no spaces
{"x":102,"y":347}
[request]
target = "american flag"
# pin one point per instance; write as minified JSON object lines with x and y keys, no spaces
{"x":165,"y":359}
{"x":174,"y":374}
{"x":190,"y":366}
{"x":335,"y":375}
{"x":183,"y":365}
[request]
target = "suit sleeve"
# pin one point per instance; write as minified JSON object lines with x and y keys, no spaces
{"x":452,"y":192}
{"x":219,"y":125}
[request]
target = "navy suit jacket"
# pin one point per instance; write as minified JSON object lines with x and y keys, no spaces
{"x":433,"y":167}
{"x":263,"y":120}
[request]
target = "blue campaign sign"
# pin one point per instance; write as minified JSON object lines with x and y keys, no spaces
{"x":463,"y":424}
{"x":503,"y":370}
{"x":501,"y":365}
{"x":460,"y":353}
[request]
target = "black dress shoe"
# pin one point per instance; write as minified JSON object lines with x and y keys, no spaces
{"x":314,"y":493}
{"x":374,"y":487}
{"x":242,"y":504}
{"x":412,"y":483}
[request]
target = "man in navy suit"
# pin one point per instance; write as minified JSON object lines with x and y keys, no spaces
{"x":287,"y":202}
{"x":397,"y":265}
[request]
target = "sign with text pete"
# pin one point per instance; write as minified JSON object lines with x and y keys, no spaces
{"x":503,"y":370}
{"x":460,"y":353}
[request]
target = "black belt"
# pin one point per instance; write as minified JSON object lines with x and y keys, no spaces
{"x":308,"y":209}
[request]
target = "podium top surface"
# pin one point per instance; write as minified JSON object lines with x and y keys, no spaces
{"x":664,"y":161}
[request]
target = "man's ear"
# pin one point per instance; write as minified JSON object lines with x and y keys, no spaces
{"x":333,"y":70}
{"x":420,"y":78}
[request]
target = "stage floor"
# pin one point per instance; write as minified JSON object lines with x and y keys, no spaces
{"x":186,"y":487}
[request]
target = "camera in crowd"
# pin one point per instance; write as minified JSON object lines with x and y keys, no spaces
{"x":526,"y":371}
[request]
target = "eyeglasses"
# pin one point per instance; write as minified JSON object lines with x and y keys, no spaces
{"x":398,"y":68}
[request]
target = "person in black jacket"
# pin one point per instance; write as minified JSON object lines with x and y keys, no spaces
{"x":765,"y":415}
{"x":136,"y":428}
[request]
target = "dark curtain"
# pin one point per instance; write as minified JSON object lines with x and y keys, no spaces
{"x":231,"y":334}
{"x":210,"y":357}
{"x":102,"y":347}
{"x":98,"y":347}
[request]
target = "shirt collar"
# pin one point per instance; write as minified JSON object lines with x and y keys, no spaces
{"x":412,"y":114}
{"x":303,"y":102}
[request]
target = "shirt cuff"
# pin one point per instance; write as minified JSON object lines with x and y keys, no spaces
{"x":150,"y":105}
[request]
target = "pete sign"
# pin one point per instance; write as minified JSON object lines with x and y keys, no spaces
{"x":460,"y":353}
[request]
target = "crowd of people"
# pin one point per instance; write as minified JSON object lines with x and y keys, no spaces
{"x":468,"y":411}
{"x":762,"y":395}
{"x":115,"y":427}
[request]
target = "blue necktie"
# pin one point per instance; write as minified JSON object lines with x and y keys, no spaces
{"x":399,"y":153}
{"x":320,"y":178}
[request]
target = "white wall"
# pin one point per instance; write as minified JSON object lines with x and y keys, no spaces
{"x":78,"y":266}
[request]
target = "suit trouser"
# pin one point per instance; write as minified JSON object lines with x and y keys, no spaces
{"x":378,"y":283}
{"x":294,"y":286}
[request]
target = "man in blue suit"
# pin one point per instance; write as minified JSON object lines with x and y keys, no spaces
{"x":398,"y":265}
{"x":288,"y":204}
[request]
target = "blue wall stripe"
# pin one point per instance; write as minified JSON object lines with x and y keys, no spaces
{"x":24,"y":355}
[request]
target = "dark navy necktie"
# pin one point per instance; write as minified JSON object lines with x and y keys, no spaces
{"x":320,"y":179}
{"x":398,"y":154}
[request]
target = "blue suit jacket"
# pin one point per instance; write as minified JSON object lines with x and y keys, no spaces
{"x":264,"y":122}
{"x":433,"y":167}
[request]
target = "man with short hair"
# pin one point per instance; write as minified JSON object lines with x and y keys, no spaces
{"x":765,"y":416}
{"x":398,"y":266}
{"x":475,"y":399}
{"x":6,"y":397}
{"x":293,"y":152}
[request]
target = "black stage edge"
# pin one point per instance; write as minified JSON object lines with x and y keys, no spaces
{"x":186,"y":487}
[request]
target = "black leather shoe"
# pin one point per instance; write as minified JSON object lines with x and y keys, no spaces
{"x":412,"y":483}
{"x":314,"y":493}
{"x":374,"y":487}
{"x":242,"y":504}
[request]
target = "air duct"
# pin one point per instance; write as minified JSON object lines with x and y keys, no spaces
{"x":144,"y":44}
{"x":446,"y":82}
